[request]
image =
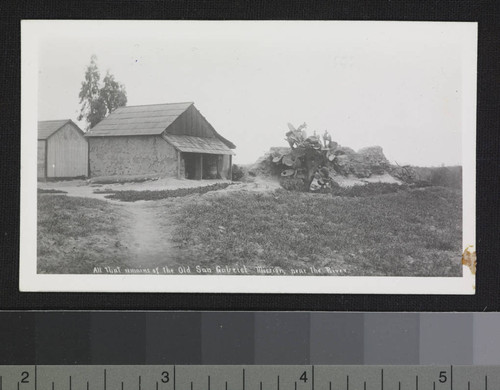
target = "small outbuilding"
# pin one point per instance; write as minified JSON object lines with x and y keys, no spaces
{"x":168,"y":140}
{"x":62,"y":150}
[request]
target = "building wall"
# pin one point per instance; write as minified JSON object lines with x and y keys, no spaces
{"x":192,"y":123}
{"x":41,"y":159}
{"x":67,"y":153}
{"x":137,"y":155}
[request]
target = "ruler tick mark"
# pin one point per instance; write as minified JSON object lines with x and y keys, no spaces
{"x":312,"y":384}
{"x":323,"y":383}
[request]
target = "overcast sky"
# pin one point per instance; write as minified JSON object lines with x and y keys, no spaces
{"x":391,"y":84}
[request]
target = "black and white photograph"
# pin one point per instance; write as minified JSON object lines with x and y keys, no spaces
{"x":249,"y":156}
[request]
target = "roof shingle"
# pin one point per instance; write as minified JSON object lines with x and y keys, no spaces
{"x":186,"y":143}
{"x":139,"y":120}
{"x":47,"y":128}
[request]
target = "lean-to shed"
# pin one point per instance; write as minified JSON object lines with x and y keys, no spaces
{"x":168,"y":140}
{"x":62,"y":150}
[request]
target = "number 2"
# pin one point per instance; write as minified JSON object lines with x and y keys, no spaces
{"x":24,"y":377}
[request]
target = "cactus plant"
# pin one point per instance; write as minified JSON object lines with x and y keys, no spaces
{"x":306,"y":156}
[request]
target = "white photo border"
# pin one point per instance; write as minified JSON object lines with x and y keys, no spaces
{"x":31,"y":281}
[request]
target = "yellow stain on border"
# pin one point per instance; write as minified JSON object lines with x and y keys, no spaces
{"x":469,"y":260}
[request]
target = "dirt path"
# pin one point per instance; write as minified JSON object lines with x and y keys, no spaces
{"x":148,"y":235}
{"x":146,"y":229}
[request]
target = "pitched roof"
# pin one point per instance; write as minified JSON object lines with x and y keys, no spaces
{"x":186,"y":143}
{"x":139,"y":120}
{"x":47,"y":128}
{"x":228,"y":143}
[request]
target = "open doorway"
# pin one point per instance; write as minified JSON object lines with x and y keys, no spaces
{"x":211,"y":166}
{"x":192,"y":166}
{"x":198,"y":166}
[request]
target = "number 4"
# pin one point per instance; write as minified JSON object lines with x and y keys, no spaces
{"x":303,"y":377}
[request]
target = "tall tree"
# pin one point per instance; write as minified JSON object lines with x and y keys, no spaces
{"x":93,"y":109}
{"x":113,"y":93}
{"x":97,"y":101}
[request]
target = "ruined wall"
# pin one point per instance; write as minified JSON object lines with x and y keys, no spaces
{"x":138,"y":155}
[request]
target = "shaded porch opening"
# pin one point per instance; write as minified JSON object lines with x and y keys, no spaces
{"x":200,"y":166}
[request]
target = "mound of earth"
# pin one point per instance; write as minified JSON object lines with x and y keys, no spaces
{"x":362,"y":164}
{"x":264,"y":165}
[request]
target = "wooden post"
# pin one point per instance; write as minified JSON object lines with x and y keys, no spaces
{"x":178,"y":164}
{"x":218,"y":163}
{"x":201,"y":166}
{"x":230,"y":167}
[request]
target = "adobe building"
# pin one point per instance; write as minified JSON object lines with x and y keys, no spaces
{"x":170,"y":140}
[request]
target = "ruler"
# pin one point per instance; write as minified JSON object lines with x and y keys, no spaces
{"x":248,"y":377}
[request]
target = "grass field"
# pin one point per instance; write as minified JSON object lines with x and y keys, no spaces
{"x":77,"y":234}
{"x":134,"y":196}
{"x":408,"y":233}
{"x":412,"y":232}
